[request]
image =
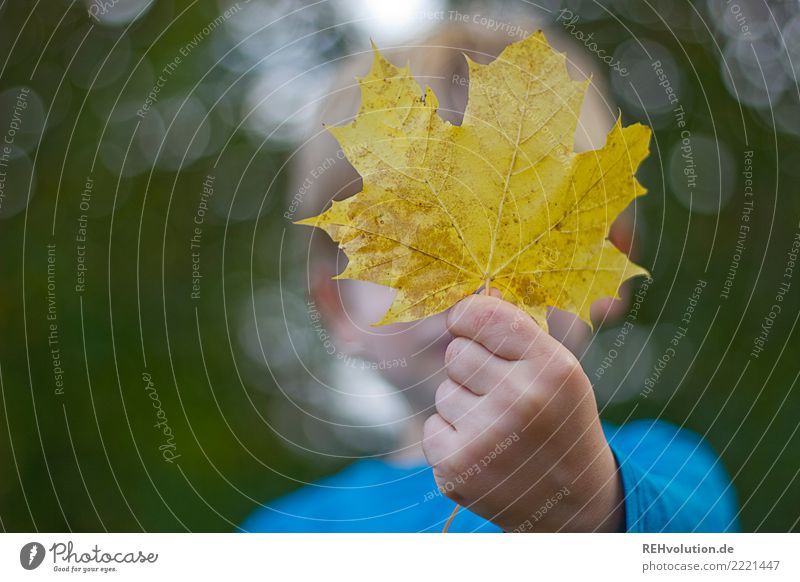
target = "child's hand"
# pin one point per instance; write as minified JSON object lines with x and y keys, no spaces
{"x":516,"y":437}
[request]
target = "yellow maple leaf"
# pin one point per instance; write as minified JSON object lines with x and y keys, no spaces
{"x":500,"y":200}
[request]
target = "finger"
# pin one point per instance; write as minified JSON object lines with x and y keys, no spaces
{"x":454,"y":402}
{"x":438,"y":439}
{"x":622,"y":233}
{"x":606,"y":308}
{"x":500,"y":327}
{"x":470,"y":364}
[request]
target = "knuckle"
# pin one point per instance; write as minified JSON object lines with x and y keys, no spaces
{"x":442,"y":392}
{"x":429,"y":435}
{"x":522,"y":377}
{"x":530,"y":402}
{"x":484,"y":317}
{"x":565,"y":367}
{"x":454,"y":348}
{"x":532,"y":342}
{"x":429,"y":429}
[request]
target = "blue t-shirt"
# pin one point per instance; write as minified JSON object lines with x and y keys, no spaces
{"x":672,"y":481}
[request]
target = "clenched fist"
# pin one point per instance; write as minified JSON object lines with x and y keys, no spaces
{"x":516,"y":437}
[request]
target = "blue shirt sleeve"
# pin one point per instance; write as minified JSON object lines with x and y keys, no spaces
{"x":672,"y":480}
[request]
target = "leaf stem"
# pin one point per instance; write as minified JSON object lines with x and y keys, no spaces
{"x":450,"y":519}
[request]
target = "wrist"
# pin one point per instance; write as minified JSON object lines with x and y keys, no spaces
{"x":606,"y":513}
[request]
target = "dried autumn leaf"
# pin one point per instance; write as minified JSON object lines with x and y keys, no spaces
{"x":500,"y":200}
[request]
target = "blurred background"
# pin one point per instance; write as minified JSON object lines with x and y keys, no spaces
{"x":158,"y":358}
